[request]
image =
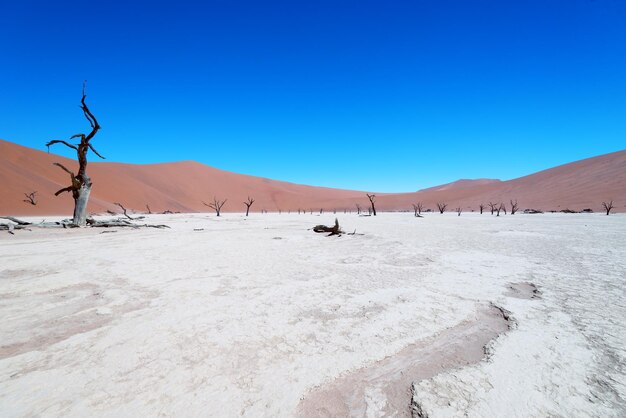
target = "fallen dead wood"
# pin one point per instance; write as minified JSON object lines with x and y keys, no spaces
{"x":17,"y":221}
{"x":334,"y":230}
{"x":111,"y":223}
{"x":120,"y":223}
{"x":126,"y":214}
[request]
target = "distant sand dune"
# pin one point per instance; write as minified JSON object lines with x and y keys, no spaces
{"x":182,"y":186}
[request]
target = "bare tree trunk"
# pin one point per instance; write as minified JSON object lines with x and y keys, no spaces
{"x":372,"y":198}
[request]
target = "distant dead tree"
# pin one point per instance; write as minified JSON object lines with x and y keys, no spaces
{"x":216,"y":205}
{"x":514,"y":206}
{"x":149,"y":211}
{"x":372,"y":198}
{"x":81,"y":183}
{"x":498,"y":209}
{"x":442,"y":207}
{"x":458,"y":211}
{"x":503,"y":207}
{"x":493,"y":207}
{"x":249,"y":203}
{"x":30,"y":198}
{"x":321,"y":211}
{"x":607,"y":206}
{"x":358,"y":209}
{"x":481,"y":207}
{"x":417,"y":209}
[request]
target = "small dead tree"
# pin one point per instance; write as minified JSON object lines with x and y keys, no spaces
{"x":493,"y":207}
{"x":216,"y":205}
{"x":249,"y":203}
{"x":149,"y":211}
{"x":458,"y":211}
{"x":514,"y":206}
{"x":81,"y":182}
{"x":442,"y":207}
{"x":481,"y":207}
{"x":608,"y":207}
{"x":358,"y":209}
{"x":372,"y":198}
{"x":498,"y":209}
{"x":30,"y":198}
{"x":417,"y":209}
{"x":503,"y":207}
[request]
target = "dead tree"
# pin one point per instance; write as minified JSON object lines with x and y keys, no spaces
{"x":442,"y":207}
{"x":498,"y":209}
{"x":607,"y":206}
{"x":216,"y":205}
{"x":514,"y":206}
{"x":81,"y":183}
{"x":372,"y":198}
{"x":481,"y":207}
{"x":493,"y":207}
{"x":334,"y":230}
{"x":30,"y":198}
{"x":358,"y":209}
{"x":458,"y":211}
{"x":503,"y":207}
{"x":417,"y":209}
{"x":149,"y":211}
{"x":249,"y":203}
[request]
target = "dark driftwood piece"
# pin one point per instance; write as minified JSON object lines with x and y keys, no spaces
{"x":80,"y":182}
{"x":30,"y":198}
{"x":249,"y":203}
{"x":372,"y":198}
{"x":334,"y":230}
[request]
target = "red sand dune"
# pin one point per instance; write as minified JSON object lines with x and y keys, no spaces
{"x":182,"y":186}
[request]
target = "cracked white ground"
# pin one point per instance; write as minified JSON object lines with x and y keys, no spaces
{"x":259,"y":316}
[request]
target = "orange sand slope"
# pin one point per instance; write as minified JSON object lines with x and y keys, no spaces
{"x":183,"y":186}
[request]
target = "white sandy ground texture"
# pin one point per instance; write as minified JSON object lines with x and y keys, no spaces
{"x":256,"y":317}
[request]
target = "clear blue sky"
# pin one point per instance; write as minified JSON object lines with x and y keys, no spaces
{"x":370,"y":95}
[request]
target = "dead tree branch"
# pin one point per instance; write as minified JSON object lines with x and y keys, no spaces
{"x":442,"y":207}
{"x":30,"y":198}
{"x":334,"y":230}
{"x":126,"y":214}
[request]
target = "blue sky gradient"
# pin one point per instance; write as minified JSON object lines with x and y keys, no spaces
{"x":371,"y":95}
